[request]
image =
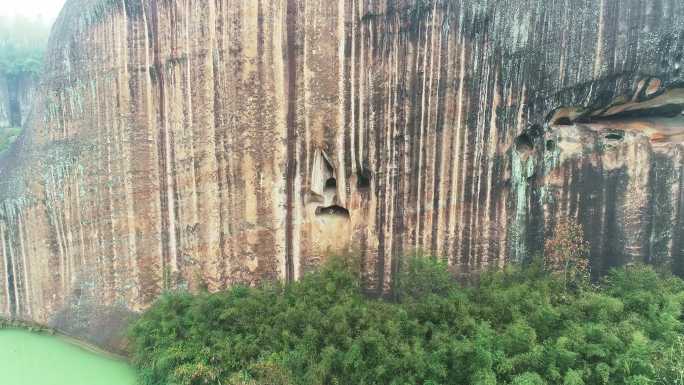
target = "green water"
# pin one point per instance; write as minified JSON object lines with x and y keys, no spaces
{"x":35,"y":359}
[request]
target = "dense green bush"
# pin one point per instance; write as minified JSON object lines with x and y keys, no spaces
{"x":520,"y":326}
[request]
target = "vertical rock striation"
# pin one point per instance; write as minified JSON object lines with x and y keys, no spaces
{"x":16,"y":99}
{"x":185,"y":143}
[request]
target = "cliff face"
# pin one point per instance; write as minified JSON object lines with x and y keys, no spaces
{"x":186,"y":143}
{"x":16,"y":99}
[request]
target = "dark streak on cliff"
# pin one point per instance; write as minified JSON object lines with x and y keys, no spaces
{"x":291,"y":173}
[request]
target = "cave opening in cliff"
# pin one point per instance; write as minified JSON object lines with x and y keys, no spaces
{"x":329,"y":190}
{"x":334,"y":211}
{"x":524,"y":143}
{"x":363,"y":179}
{"x":614,"y":136}
{"x":550,"y":145}
{"x":563,"y":121}
{"x":656,"y":114}
{"x":668,"y":110}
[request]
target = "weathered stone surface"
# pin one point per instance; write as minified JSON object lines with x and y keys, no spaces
{"x":183,"y":143}
{"x":20,"y":91}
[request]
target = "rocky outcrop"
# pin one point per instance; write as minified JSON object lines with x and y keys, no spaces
{"x":16,"y":99}
{"x":178,"y":144}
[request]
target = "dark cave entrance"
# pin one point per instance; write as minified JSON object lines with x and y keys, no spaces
{"x":333,"y":211}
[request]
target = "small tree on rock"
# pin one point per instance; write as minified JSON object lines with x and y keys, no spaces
{"x":567,"y":253}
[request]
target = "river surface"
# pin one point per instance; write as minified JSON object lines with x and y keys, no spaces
{"x":35,"y":359}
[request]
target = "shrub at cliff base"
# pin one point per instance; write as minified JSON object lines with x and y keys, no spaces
{"x":518,"y":326}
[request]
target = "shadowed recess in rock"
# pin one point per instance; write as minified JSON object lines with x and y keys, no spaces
{"x":660,"y":117}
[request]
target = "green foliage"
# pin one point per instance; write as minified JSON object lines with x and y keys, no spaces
{"x":670,"y":364}
{"x":517,"y":326}
{"x":22,"y":45}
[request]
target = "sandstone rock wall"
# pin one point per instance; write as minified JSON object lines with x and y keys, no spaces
{"x":193,"y":142}
{"x":26,"y":92}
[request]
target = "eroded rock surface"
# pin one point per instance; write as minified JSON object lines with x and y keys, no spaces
{"x":16,"y":99}
{"x":186,"y":143}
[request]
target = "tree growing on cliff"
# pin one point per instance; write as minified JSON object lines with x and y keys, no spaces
{"x":22,"y":46}
{"x":567,"y":253}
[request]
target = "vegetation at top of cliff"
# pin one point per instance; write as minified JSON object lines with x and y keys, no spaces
{"x":22,"y":47}
{"x":522,"y":326}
